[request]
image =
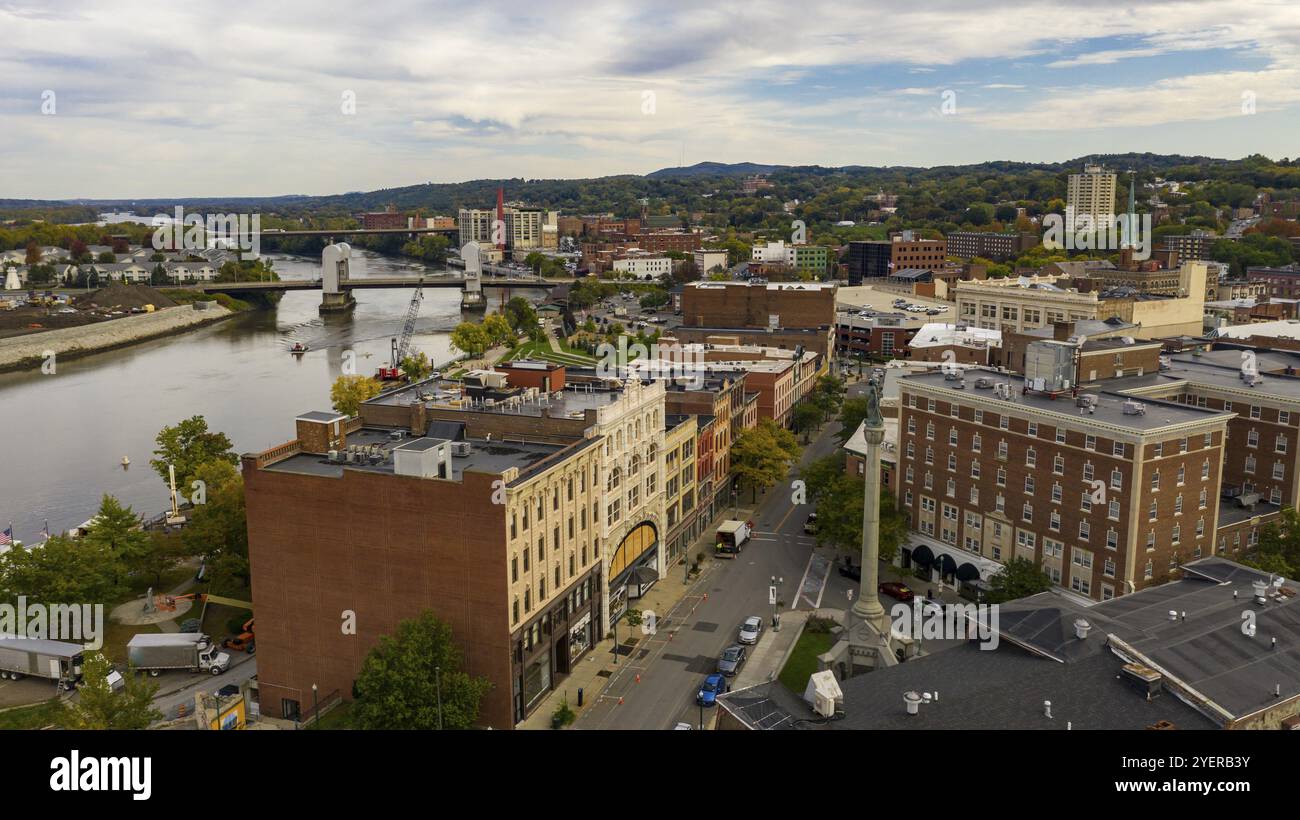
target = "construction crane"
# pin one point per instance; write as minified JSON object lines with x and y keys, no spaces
{"x":402,"y":345}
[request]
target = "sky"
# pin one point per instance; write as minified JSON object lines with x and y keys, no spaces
{"x":128,"y":99}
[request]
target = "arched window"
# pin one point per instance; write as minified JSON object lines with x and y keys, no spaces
{"x":635,"y":465}
{"x":615,"y":478}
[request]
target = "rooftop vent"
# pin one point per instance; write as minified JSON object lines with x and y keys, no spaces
{"x":912,"y":700}
{"x":1261,"y":591}
{"x":983,"y":383}
{"x":1081,"y":629}
{"x":1134,"y":408}
{"x":461,"y":448}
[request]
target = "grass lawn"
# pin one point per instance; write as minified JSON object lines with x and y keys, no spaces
{"x":340,"y":717}
{"x":37,"y":716}
{"x":803,"y":660}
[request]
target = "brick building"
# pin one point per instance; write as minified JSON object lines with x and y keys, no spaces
{"x":785,"y":305}
{"x":1107,"y":500}
{"x":997,"y":247}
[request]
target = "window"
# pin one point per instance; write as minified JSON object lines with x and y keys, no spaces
{"x":911,"y":424}
{"x":976,"y":443}
{"x":952,"y":435}
{"x":1118,"y":449}
{"x":1279,"y":471}
{"x":1280,"y":446}
{"x":1116,"y":480}
{"x":929,"y":430}
{"x":1158,"y":449}
{"x":952,"y":463}
{"x":979,"y":416}
{"x":1153,"y":510}
{"x":1058,"y":465}
{"x":1060,"y":435}
{"x":1031,"y":458}
{"x":1002,"y":450}
{"x":1112,"y":511}
{"x":952,"y":488}
{"x":1029,"y":484}
{"x":1033,"y":429}
{"x":1254,"y":411}
{"x":1108,"y":568}
{"x":1002,"y":477}
{"x":1205,"y":469}
{"x":929,"y":455}
{"x":1056,"y":492}
{"x":1000,"y":503}
{"x":1182,"y":475}
{"x":1087,"y":471}
{"x":1085,"y":502}
{"x":1200,"y":502}
{"x":1090,"y":442}
{"x":1027,"y":512}
{"x":974,"y":469}
{"x":1252,"y":438}
{"x":1155,"y":480}
{"x":1112,"y":539}
{"x":1250,"y":464}
{"x":1085,"y":529}
{"x":1177,"y":533}
{"x":911,"y":450}
{"x":974,"y":495}
{"x":514,"y":568}
{"x":1182,"y":445}
{"x":1004,"y":422}
{"x":1178,"y":504}
{"x":1054,"y":521}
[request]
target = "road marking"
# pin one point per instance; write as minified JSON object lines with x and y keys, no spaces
{"x":807,"y":567}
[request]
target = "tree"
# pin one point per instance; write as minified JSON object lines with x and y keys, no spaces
{"x":61,"y":570}
{"x":498,"y":330}
{"x":521,"y":314}
{"x":839,"y":497}
{"x":760,"y":456}
{"x":470,"y":338}
{"x":1018,"y":578}
{"x":218,"y":528}
{"x":807,"y":416}
{"x":398,"y":688}
{"x":116,"y":530}
{"x":417,"y":366}
{"x":166,"y":550}
{"x":187,"y":445}
{"x":1278,"y":548}
{"x":99,"y":707}
{"x":347,"y":393}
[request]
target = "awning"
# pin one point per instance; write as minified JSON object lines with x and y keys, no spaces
{"x":643,"y":575}
{"x":947,"y":566}
{"x":968,"y":572}
{"x":921,"y":554}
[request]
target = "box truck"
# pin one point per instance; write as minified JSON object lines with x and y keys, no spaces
{"x":176,"y":650}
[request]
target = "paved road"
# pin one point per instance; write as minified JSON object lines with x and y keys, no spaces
{"x":672,"y":668}
{"x":178,"y":688}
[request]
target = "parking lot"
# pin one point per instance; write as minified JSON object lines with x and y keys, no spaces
{"x":882,"y":299}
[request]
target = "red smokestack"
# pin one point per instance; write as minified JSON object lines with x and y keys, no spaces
{"x":501,"y":216}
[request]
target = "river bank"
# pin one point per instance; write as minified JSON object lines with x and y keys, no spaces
{"x":30,"y":352}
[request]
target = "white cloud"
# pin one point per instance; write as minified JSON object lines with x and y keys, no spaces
{"x":195,"y":100}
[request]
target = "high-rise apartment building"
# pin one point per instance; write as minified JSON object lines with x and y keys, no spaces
{"x":1091,"y":193}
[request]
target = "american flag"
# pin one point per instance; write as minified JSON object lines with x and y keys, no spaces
{"x":7,"y":537}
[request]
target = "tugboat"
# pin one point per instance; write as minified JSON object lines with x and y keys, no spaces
{"x":298,"y":348}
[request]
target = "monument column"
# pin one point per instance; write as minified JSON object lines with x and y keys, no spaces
{"x":867,"y":607}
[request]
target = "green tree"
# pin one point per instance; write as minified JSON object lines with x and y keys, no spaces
{"x":760,"y":456}
{"x":61,"y":571}
{"x":397,"y":687}
{"x":839,"y":497}
{"x":116,"y":530}
{"x":1278,"y":548}
{"x":218,"y":528}
{"x":470,"y":338}
{"x":347,"y":393}
{"x":807,"y":417}
{"x":1018,"y":578}
{"x":417,"y":366}
{"x":521,"y":314}
{"x":498,"y":330}
{"x":187,"y":445}
{"x":852,"y":413}
{"x":99,"y":707}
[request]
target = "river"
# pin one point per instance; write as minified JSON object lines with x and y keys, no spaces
{"x":63,"y":436}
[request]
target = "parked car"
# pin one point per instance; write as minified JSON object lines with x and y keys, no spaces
{"x":751,"y":629}
{"x":730,"y":661}
{"x":683,"y":725}
{"x":810,"y":525}
{"x":896,"y":590}
{"x":713,"y":686}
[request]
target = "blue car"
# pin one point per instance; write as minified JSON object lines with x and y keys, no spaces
{"x":714,"y":685}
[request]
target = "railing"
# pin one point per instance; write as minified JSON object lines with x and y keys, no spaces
{"x":290,"y":448}
{"x":313,"y":713}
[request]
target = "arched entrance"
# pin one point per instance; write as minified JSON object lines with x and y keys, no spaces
{"x":632,"y":567}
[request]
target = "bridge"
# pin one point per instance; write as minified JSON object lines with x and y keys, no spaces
{"x":330,"y":233}
{"x":430,"y":281}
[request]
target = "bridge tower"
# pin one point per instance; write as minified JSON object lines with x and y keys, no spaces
{"x":472,"y":297}
{"x":334,"y":262}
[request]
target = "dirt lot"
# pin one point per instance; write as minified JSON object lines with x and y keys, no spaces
{"x":90,"y":307}
{"x":22,"y":692}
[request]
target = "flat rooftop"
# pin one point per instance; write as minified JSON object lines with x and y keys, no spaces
{"x":1108,"y":409}
{"x":571,"y":403}
{"x":493,"y":457}
{"x":1222,"y":368}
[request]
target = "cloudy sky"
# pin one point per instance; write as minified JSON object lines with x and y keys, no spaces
{"x":128,"y":99}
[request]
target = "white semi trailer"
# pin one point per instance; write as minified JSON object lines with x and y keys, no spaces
{"x":58,"y":661}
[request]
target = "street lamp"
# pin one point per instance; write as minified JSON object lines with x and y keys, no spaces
{"x":315,"y":706}
{"x":437,"y":676}
{"x":777,"y":583}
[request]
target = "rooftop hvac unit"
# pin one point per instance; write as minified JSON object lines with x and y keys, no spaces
{"x":1085,"y":401}
{"x":1134,"y":408}
{"x":334,"y":455}
{"x":983,"y":383}
{"x":396,"y":435}
{"x":1002,"y":390}
{"x":461,"y":448}
{"x":951,"y":375}
{"x":489,"y":402}
{"x":960,"y":385}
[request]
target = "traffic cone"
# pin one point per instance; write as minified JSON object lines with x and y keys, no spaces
{"x":620,"y":700}
{"x":638,"y":678}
